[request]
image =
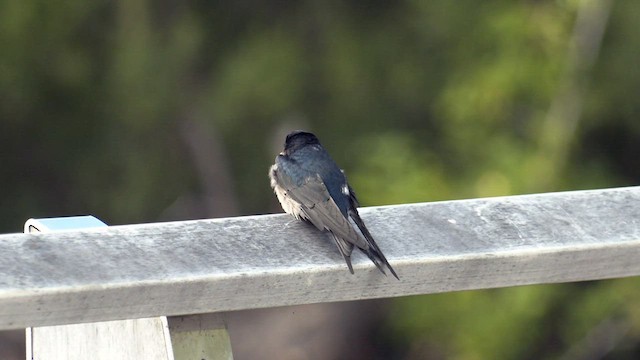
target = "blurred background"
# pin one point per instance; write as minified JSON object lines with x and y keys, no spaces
{"x":142,"y":111}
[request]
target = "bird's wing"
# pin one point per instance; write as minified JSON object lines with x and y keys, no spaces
{"x":317,"y":207}
{"x":373,"y":251}
{"x":352,"y":197}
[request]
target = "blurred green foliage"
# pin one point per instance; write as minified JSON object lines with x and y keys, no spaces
{"x":417,"y":100}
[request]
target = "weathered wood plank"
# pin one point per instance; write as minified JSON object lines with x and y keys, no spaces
{"x":204,"y":266}
{"x":125,"y":340}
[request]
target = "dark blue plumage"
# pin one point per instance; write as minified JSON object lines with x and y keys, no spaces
{"x":311,"y":187}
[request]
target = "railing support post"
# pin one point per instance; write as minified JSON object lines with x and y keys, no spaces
{"x":176,"y":338}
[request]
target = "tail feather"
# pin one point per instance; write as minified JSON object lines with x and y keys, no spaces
{"x":345,"y":248}
{"x":373,"y":252}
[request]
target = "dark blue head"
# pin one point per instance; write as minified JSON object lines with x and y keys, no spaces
{"x":298,"y":139}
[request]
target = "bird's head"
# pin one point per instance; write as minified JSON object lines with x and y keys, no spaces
{"x":298,"y":139}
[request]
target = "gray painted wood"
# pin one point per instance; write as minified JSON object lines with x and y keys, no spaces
{"x":204,"y":266}
{"x":176,"y":338}
{"x":123,"y":340}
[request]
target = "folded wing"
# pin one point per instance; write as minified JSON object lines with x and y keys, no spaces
{"x":317,"y":207}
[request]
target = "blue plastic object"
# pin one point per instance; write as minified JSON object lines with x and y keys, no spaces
{"x":65,"y":223}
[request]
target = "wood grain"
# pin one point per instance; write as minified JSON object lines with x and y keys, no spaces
{"x":204,"y":266}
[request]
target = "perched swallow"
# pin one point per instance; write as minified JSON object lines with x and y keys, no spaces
{"x":311,"y":187}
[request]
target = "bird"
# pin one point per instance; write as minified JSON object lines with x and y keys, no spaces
{"x":310,"y":186}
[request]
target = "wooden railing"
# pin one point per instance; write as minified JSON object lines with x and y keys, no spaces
{"x":214,"y":266}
